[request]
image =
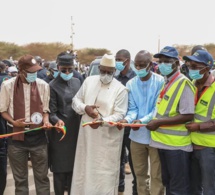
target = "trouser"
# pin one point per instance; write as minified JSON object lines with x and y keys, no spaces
{"x":18,"y":157}
{"x":142,"y":154}
{"x":126,"y":144}
{"x":175,"y":167}
{"x":203,"y":172}
{"x":3,"y":166}
{"x":60,"y":179}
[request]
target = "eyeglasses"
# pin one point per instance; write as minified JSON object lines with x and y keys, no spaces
{"x":195,"y":65}
{"x":166,"y":61}
{"x":65,"y":70}
{"x":106,"y":72}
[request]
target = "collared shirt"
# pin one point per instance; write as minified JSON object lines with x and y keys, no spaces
{"x":6,"y":96}
{"x":62,"y":93}
{"x":207,"y":83}
{"x":142,"y":101}
{"x":185,"y":106}
{"x":208,"y":125}
{"x":125,"y":78}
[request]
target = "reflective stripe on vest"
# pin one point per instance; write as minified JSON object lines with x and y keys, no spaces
{"x":176,"y":135}
{"x":205,"y":111}
{"x":173,"y":132}
{"x":209,"y":111}
{"x":167,"y":111}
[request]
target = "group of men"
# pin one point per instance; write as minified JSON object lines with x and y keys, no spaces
{"x":166,"y":122}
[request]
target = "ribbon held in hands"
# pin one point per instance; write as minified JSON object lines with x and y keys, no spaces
{"x":138,"y":124}
{"x":90,"y":123}
{"x":62,"y":129}
{"x":114,"y":124}
{"x":127,"y":124}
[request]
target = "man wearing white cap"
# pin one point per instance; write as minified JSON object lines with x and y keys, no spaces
{"x":101,"y":98}
{"x":12,"y":71}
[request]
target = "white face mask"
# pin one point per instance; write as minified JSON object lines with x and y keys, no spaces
{"x":106,"y":78}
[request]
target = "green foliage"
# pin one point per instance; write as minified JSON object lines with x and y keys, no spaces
{"x":186,"y":49}
{"x":47,"y":51}
{"x":87,"y":55}
{"x":211,"y":49}
{"x":11,"y":49}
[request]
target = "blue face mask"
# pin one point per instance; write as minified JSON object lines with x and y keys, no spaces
{"x":165,"y":68}
{"x":31,"y":77}
{"x":119,"y":66}
{"x":66,"y":77}
{"x":56,"y":73}
{"x":142,"y":72}
{"x":195,"y":74}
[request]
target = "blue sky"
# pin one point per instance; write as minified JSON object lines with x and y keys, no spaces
{"x":113,"y":24}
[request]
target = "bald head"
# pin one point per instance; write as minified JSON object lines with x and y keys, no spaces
{"x":143,"y":55}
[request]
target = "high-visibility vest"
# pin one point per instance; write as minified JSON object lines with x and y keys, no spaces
{"x":205,"y":111}
{"x":176,"y":135}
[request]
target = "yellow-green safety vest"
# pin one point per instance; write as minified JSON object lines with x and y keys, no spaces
{"x":176,"y":135}
{"x":205,"y":111}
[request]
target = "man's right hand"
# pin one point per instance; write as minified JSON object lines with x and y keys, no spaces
{"x":59,"y":123}
{"x":136,"y":122}
{"x":21,"y":123}
{"x":91,"y":112}
{"x":119,"y":125}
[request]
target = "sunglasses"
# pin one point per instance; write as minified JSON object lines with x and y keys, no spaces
{"x":65,"y":70}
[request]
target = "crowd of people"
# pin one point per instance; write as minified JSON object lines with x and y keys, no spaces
{"x":159,"y":116}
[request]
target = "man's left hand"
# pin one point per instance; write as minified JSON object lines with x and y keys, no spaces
{"x":47,"y":125}
{"x":193,"y":126}
{"x":96,"y":124}
{"x":153,"y":125}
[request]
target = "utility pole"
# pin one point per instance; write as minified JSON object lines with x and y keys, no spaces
{"x":158,"y":43}
{"x":72,"y":33}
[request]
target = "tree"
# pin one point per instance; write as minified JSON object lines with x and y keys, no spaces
{"x":87,"y":55}
{"x":47,"y":51}
{"x":8,"y":50}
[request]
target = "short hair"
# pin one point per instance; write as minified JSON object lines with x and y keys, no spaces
{"x":124,"y":53}
{"x":2,"y":66}
{"x":146,"y":53}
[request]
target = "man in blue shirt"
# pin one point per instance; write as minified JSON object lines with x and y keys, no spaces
{"x":143,"y":93}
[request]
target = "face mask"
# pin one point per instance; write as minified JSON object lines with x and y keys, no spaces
{"x":31,"y":77}
{"x":119,"y":66}
{"x":66,"y":77}
{"x":56,"y":73}
{"x":106,"y":78}
{"x":165,"y":68}
{"x":194,"y":74}
{"x":142,"y":72}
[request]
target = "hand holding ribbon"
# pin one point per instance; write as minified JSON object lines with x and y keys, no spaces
{"x":62,"y":129}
